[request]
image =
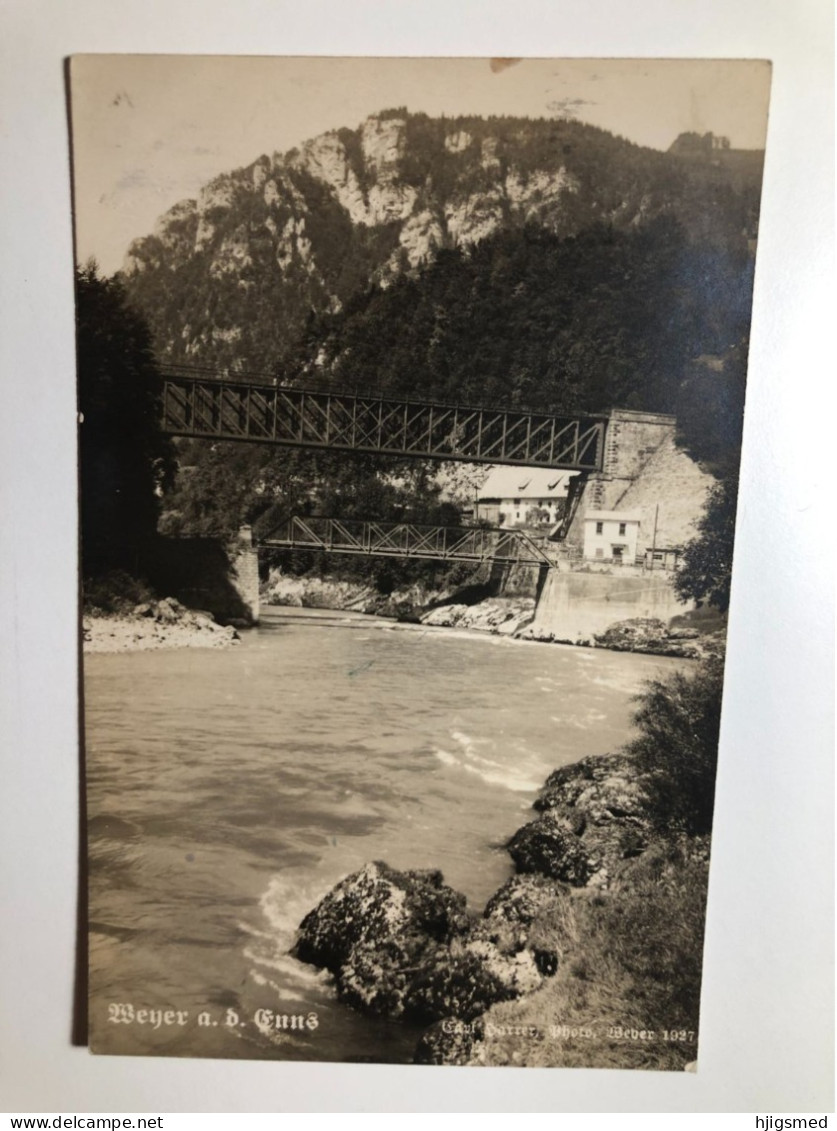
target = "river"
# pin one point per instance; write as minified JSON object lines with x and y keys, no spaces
{"x":228,"y":790}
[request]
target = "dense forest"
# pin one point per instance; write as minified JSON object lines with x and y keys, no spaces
{"x":581,"y":323}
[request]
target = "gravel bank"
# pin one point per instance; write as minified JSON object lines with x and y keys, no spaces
{"x":155,"y":625}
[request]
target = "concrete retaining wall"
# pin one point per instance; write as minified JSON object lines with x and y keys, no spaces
{"x":575,"y":606}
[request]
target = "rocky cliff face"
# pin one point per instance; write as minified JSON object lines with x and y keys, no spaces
{"x":364,"y":173}
{"x":230,"y":278}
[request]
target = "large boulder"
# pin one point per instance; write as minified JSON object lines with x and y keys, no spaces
{"x":401,"y":944}
{"x":382,"y":907}
{"x":534,"y":912}
{"x":604,"y":796}
{"x":598,"y":807}
{"x":465,"y":983}
{"x":599,"y":788}
{"x":527,"y":927}
{"x":378,"y":930}
{"x":549,"y":847}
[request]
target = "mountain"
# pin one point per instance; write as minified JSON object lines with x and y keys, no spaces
{"x":541,"y":262}
{"x":234,"y":278}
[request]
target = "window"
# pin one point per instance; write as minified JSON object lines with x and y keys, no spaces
{"x":622,"y":529}
{"x":599,"y":552}
{"x":600,"y":528}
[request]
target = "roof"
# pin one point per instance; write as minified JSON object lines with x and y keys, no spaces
{"x":526,"y":483}
{"x":613,"y":516}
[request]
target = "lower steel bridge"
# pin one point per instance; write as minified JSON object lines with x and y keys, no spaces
{"x":226,"y":409}
{"x":408,"y":540}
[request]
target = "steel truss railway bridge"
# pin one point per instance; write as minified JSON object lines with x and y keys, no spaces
{"x":210,"y":407}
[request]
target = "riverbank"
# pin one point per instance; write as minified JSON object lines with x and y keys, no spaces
{"x":591,"y":954}
{"x":691,"y":636}
{"x":153,"y":625}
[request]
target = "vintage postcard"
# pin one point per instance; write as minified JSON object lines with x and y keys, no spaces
{"x":411,"y":395}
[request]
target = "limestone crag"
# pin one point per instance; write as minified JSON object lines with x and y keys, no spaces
{"x":504,"y":616}
{"x":364,"y":172}
{"x":651,"y":635}
{"x":317,"y":593}
{"x":262,"y":246}
{"x":500,"y":616}
{"x":436,"y":608}
{"x":406,"y":604}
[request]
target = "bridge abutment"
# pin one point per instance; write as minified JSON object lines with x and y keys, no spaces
{"x":632,"y":438}
{"x":573,"y":607}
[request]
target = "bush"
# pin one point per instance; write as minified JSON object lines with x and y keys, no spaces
{"x":705,"y":575}
{"x":655,"y":926}
{"x":679,"y":721}
{"x":634,"y":961}
{"x":115,"y":592}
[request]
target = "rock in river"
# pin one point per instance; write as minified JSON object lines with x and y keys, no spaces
{"x":594,"y":814}
{"x":376,"y":929}
{"x":549,"y":847}
{"x":401,"y":944}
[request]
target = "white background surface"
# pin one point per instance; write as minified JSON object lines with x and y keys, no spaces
{"x":768,"y":992}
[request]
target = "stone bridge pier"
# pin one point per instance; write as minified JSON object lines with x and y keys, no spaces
{"x":245,"y":572}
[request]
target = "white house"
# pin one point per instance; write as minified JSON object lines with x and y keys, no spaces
{"x":611,"y":535}
{"x":523,"y":497}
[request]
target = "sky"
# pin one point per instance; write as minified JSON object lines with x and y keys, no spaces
{"x":148,"y":131}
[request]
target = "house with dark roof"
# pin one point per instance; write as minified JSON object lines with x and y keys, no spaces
{"x":523,"y":497}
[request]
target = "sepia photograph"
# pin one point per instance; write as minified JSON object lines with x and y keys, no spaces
{"x":411,"y":395}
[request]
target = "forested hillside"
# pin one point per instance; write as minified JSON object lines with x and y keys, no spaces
{"x":583,"y":322}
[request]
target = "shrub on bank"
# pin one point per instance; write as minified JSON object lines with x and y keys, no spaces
{"x":636,"y":967}
{"x":116,"y":592}
{"x":679,"y":721}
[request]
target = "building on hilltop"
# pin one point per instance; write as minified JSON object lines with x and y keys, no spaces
{"x":695,"y":144}
{"x":523,"y":497}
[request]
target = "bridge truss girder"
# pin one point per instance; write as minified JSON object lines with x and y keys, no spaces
{"x":408,"y":540}
{"x":277,"y":414}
